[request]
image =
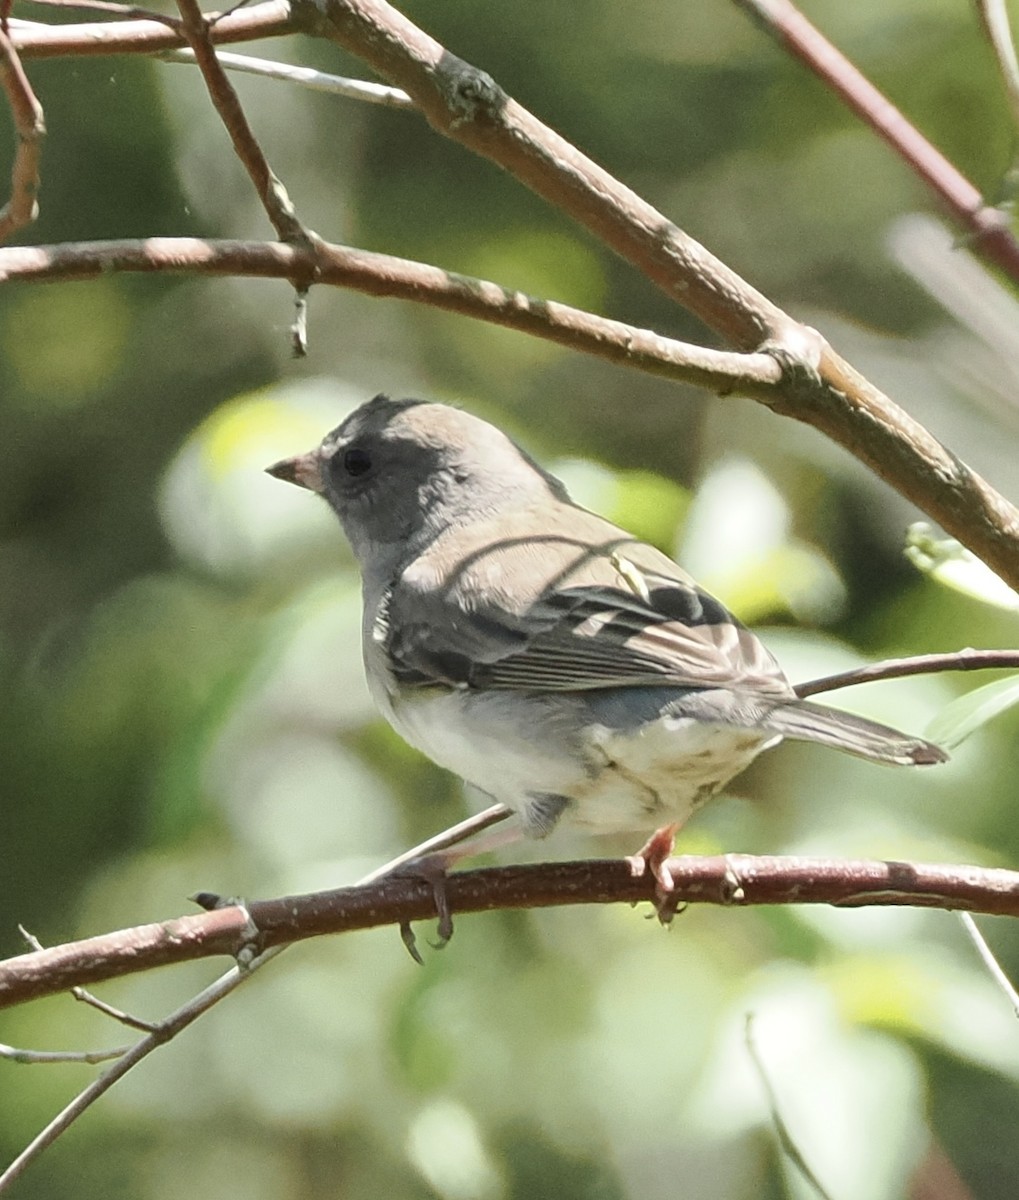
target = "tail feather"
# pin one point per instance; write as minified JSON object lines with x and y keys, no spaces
{"x":804,"y":721}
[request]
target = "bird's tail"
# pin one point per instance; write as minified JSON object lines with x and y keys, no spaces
{"x":803,"y":721}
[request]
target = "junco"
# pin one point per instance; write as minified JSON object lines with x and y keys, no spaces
{"x":538,"y":651}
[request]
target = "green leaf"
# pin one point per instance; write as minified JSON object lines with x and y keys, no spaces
{"x":969,"y":713}
{"x":950,"y":563}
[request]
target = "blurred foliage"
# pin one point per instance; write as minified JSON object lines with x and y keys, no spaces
{"x":183,"y":705}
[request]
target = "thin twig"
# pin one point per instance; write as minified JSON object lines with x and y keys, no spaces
{"x":990,"y":962}
{"x":270,"y":190}
{"x":921,"y":664}
{"x":30,"y":128}
{"x":988,"y":227}
{"x":785,"y":1139}
{"x":227,"y":983}
{"x":13,"y":1054}
{"x":994,"y":17}
{"x":141,"y":1049}
{"x":820,"y":388}
{"x":129,"y":12}
{"x":36,"y":40}
{"x":299,"y":325}
{"x":85,"y":997}
{"x":307,"y":77}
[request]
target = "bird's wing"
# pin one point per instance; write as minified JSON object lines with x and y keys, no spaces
{"x":598,"y":609}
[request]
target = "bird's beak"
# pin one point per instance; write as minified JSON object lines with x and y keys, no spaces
{"x":303,"y":469}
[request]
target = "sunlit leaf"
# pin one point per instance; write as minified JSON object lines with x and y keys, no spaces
{"x":965,"y":715}
{"x":950,"y":563}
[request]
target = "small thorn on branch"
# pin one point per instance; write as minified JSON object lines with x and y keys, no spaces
{"x":299,"y":328}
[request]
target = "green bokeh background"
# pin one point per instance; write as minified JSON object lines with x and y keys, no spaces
{"x":182,"y":702}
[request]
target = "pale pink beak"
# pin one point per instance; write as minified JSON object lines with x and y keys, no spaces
{"x":303,"y":469}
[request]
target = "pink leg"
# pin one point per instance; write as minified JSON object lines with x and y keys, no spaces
{"x":654,"y":854}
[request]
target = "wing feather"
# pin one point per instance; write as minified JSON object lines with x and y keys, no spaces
{"x":563,"y":613}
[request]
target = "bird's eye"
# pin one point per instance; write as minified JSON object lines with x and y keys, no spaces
{"x":356,"y":461}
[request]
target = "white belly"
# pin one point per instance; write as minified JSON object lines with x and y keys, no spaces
{"x":516,"y":747}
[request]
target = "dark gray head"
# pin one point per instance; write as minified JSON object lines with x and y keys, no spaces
{"x":398,"y":472}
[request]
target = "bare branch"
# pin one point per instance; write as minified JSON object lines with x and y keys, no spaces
{"x":786,"y":1141}
{"x":35,"y":40}
{"x":131,"y":1057}
{"x":307,"y":77}
{"x":989,"y":227}
{"x":270,"y":190}
{"x":727,"y":880}
{"x":921,"y":664}
{"x":14,"y":1054}
{"x":384,"y":275}
{"x":127,"y":11}
{"x":86,"y":997}
{"x":218,"y":990}
{"x":994,"y":17}
{"x":990,"y":962}
{"x":29,"y":127}
{"x":820,"y":388}
{"x":467,"y":105}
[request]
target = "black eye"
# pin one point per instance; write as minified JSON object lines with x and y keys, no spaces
{"x":356,"y":461}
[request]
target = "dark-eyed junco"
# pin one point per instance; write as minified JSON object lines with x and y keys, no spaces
{"x":546,"y":656}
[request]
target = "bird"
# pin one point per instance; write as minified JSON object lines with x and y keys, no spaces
{"x":556,"y":662}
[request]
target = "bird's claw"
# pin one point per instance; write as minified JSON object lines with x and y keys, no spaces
{"x":653,"y":856}
{"x":431,"y":869}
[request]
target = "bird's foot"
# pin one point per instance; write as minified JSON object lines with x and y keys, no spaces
{"x":653,"y":856}
{"x":432,"y":868}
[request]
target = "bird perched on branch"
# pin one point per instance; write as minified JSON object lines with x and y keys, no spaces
{"x":551,"y":659}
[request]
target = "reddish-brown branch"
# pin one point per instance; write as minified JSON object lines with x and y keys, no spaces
{"x":734,"y":879}
{"x":467,"y":105}
{"x":922,"y":664}
{"x":384,"y":275}
{"x":126,"y":11}
{"x":268,"y":188}
{"x":29,"y":128}
{"x":271,"y":19}
{"x":989,"y":227}
{"x":820,"y":388}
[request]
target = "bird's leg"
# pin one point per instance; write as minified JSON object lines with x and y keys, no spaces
{"x":653,"y":856}
{"x":456,"y":835}
{"x":433,"y":868}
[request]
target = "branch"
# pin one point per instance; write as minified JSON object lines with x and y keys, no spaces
{"x":36,"y":40}
{"x":384,"y":275}
{"x":994,"y":18}
{"x":921,"y":664}
{"x":307,"y":77}
{"x":30,"y":128}
{"x":270,"y":191}
{"x":174,"y":1024}
{"x":734,"y":879}
{"x":821,"y":389}
{"x":994,"y":968}
{"x":989,"y":227}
